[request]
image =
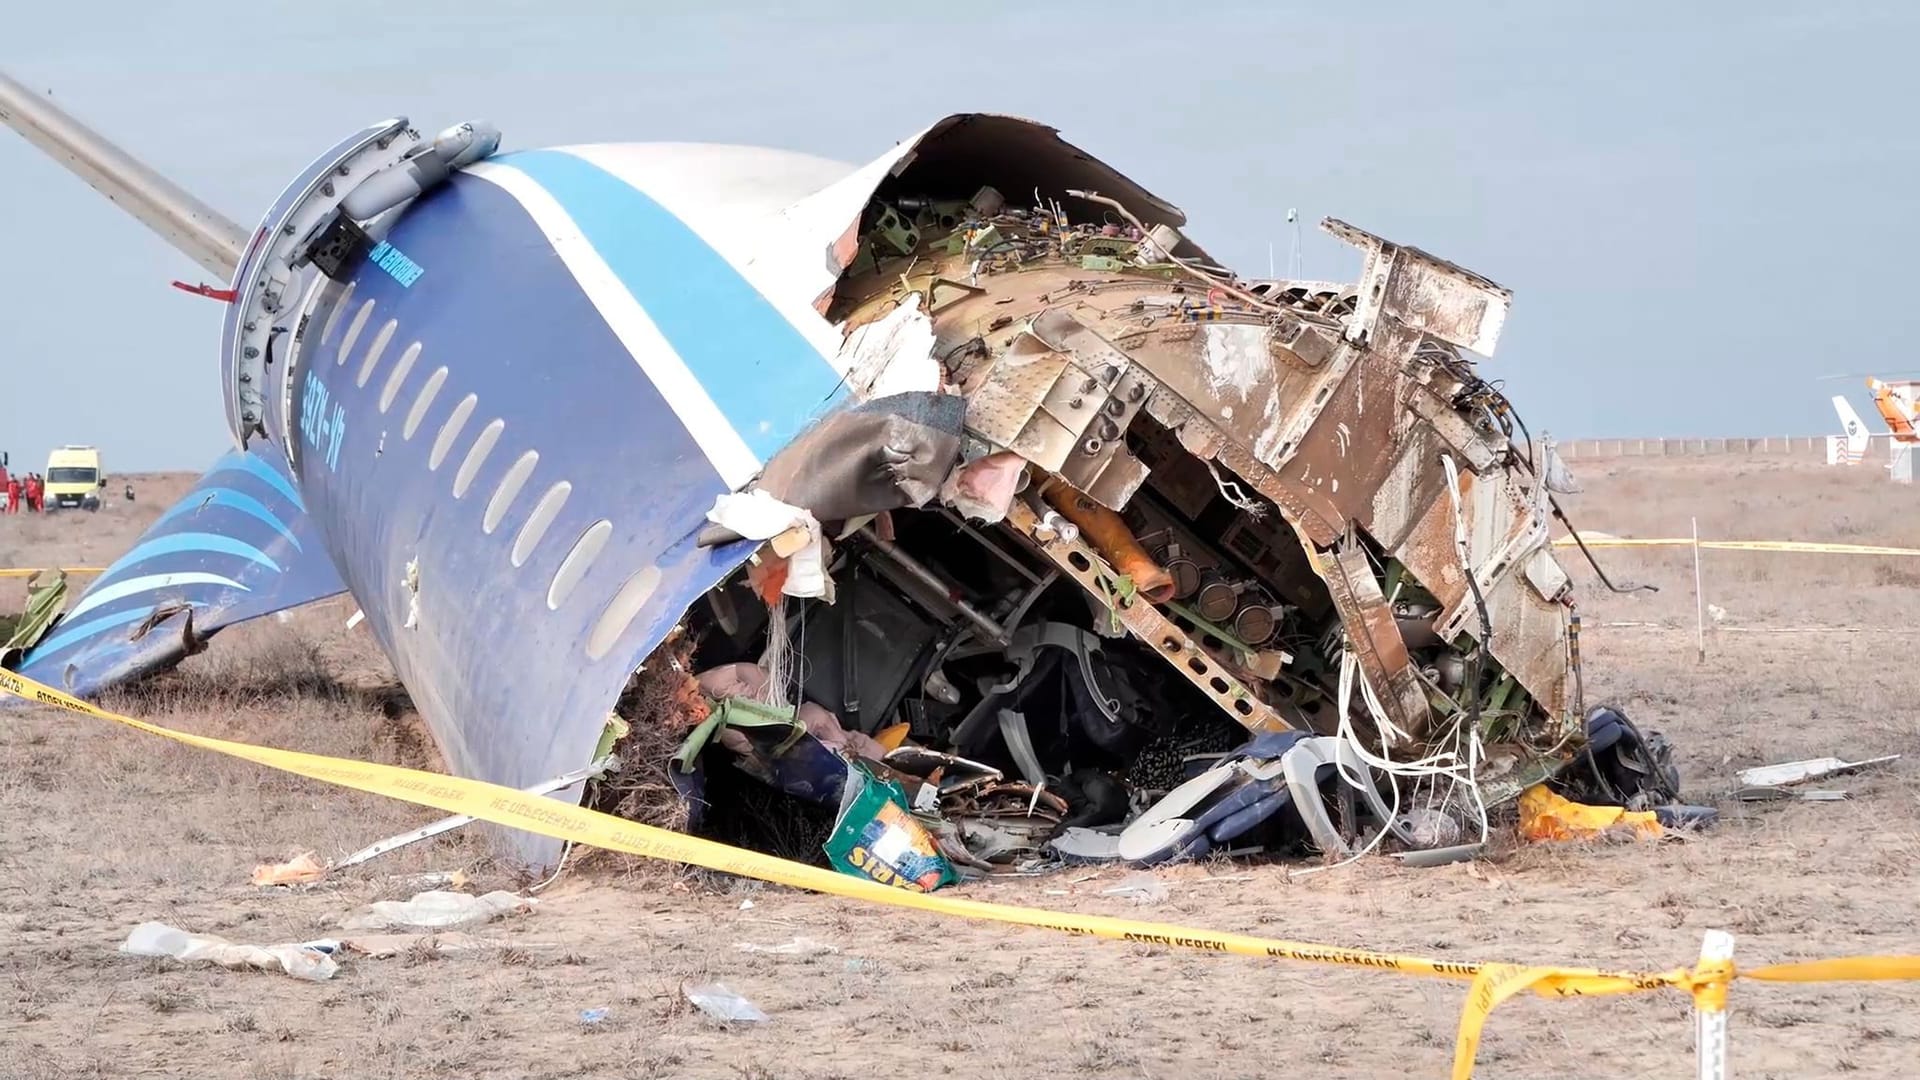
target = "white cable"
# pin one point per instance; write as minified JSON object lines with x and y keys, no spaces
{"x":1231,"y":491}
{"x":1445,"y":764}
{"x":558,"y":867}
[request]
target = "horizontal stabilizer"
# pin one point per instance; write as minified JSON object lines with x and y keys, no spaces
{"x":240,"y":545}
{"x":193,"y":227}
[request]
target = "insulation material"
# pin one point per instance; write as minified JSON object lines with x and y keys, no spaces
{"x":312,"y":961}
{"x":893,"y":354}
{"x":756,"y":515}
{"x":982,"y":489}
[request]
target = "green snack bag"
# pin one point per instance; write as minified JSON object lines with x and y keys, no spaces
{"x":877,"y":837}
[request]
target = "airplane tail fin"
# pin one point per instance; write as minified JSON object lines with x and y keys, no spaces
{"x":1855,"y":431}
{"x":239,"y":545}
{"x":193,"y":227}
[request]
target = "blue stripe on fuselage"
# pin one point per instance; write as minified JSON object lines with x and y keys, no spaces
{"x":764,"y":376}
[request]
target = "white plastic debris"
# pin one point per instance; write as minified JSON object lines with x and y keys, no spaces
{"x":757,"y":515}
{"x":310,"y":960}
{"x":1796,"y":772}
{"x":1141,"y":888}
{"x":800,"y":946}
{"x":724,"y":1005}
{"x":435,"y":909}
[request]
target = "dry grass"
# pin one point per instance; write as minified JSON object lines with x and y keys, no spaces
{"x":104,"y":828}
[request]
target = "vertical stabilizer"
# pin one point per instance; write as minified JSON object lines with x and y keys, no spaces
{"x":190,"y":225}
{"x":1853,"y":430}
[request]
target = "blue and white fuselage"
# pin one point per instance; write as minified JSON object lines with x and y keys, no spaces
{"x":501,"y":432}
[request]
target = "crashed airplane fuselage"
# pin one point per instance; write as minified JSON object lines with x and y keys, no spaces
{"x":1009,"y":410}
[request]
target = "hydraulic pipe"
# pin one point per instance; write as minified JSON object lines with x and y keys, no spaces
{"x":1107,"y":532}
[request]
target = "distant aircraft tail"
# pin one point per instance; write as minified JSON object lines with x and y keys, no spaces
{"x":1851,"y":447}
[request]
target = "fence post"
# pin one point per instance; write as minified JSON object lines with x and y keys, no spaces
{"x":1710,"y":1013}
{"x":1699,"y":597}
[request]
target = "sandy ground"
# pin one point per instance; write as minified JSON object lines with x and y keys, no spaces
{"x":102,"y":828}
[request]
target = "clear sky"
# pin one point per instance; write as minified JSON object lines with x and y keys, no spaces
{"x":1701,"y":207}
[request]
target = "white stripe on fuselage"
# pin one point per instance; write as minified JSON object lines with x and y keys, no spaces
{"x":723,"y":446}
{"x":772,"y":215}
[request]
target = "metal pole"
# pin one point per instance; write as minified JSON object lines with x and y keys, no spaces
{"x":943,"y":589}
{"x":1710,"y":1016}
{"x":394,"y":843}
{"x":1699,"y":598}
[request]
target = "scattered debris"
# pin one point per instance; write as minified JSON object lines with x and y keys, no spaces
{"x":311,"y":960}
{"x":385,"y":946}
{"x":1545,"y":815}
{"x":1770,"y":793}
{"x":723,"y":1004}
{"x":876,"y":836}
{"x":436,"y":879}
{"x":437,"y":909}
{"x":593,"y":1016}
{"x":1082,"y":845}
{"x":1141,"y":888}
{"x":46,"y":599}
{"x":301,"y":869}
{"x":800,"y":946}
{"x":1798,"y":772}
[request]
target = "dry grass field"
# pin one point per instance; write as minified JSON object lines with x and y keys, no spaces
{"x":102,"y":828}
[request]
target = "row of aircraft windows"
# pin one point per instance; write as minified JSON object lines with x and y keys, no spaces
{"x":626,"y":604}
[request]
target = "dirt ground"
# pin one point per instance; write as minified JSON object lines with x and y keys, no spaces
{"x":102,"y":828}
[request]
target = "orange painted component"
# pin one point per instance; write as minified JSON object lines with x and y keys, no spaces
{"x":1107,"y":532}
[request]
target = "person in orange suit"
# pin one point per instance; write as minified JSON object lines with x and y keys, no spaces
{"x":13,"y":494}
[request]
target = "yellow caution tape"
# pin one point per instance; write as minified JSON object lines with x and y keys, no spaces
{"x":29,"y":571}
{"x":1802,"y":546}
{"x":1710,"y":982}
{"x":1842,"y":969}
{"x":1491,"y":983}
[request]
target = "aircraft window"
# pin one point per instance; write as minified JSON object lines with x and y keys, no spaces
{"x":339,"y":309}
{"x":450,"y":430}
{"x":477,"y":456}
{"x":625,"y":606}
{"x":541,"y":519}
{"x":399,"y":375}
{"x":422,"y":401}
{"x":358,"y":324}
{"x":374,"y":350}
{"x":508,"y":490}
{"x":578,"y":562}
